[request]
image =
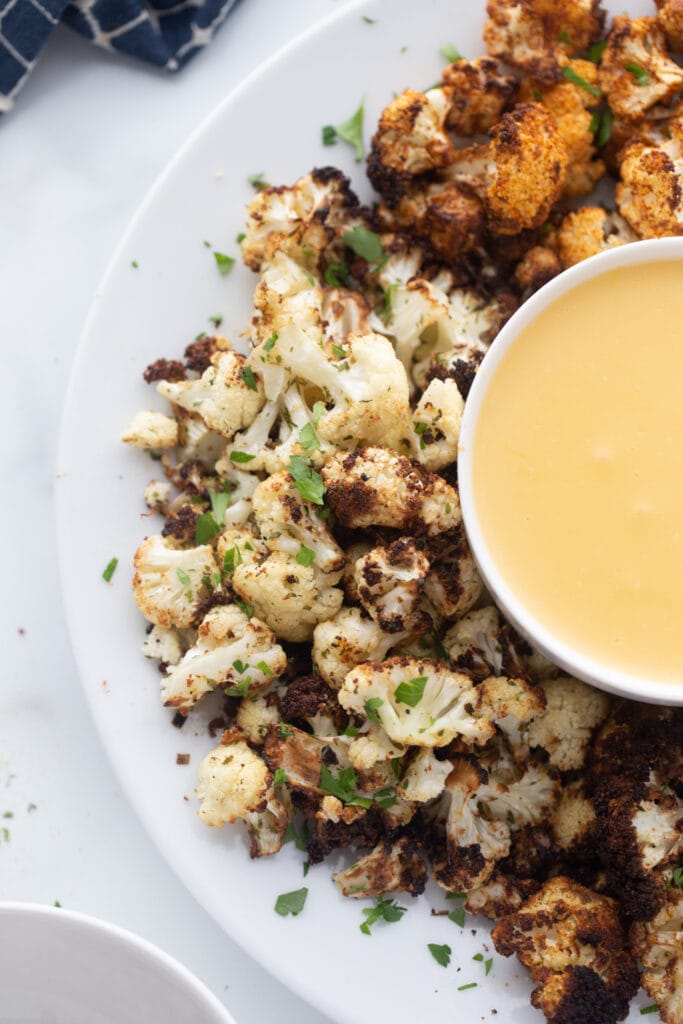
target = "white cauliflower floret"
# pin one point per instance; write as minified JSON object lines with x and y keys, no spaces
{"x":658,"y":944}
{"x":157,"y":495}
{"x":170,"y":584}
{"x":658,"y":826}
{"x":513,"y":703}
{"x":230,"y":648}
{"x":377,"y":487}
{"x":479,"y":644}
{"x":410,"y":139}
{"x":287,"y":523}
{"x":254,"y":715}
{"x":196,"y":441}
{"x":564,"y":729}
{"x":151,"y":430}
{"x":346,"y":640}
{"x":235,"y":783}
{"x":417,"y":701}
{"x":453,"y":585}
{"x":527,"y":801}
{"x":163,"y":644}
{"x":391,"y":867}
{"x":635,"y":71}
{"x":424,"y":778}
{"x":573,"y":819}
{"x":227,"y":396}
{"x":292,"y":598}
{"x":288,"y":304}
{"x":343,"y":312}
{"x":436,"y":425}
{"x":649,"y":192}
{"x":389,"y":582}
{"x":372,"y":747}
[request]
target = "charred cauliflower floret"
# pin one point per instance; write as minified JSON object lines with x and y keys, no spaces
{"x":670,"y":17}
{"x":588,"y":231}
{"x":417,"y":702}
{"x":481,"y":645}
{"x":225,"y":396}
{"x":571,"y":941}
{"x":230,"y":649}
{"x":658,"y":944}
{"x":499,"y":895}
{"x":151,"y":430}
{"x":574,"y":822}
{"x":301,"y":756}
{"x":410,"y":139}
{"x":170,"y":583}
{"x":513,"y":704}
{"x":635,"y":71}
{"x":573,"y":712}
{"x":377,"y":487}
{"x":315,"y":205}
{"x":345,"y":640}
{"x":448,"y":217}
{"x":649,"y":194}
{"x":389,"y":582}
{"x":235,"y":783}
{"x":436,"y":425}
{"x":453,"y":584}
{"x":478,"y":92}
{"x":390,"y":867}
{"x":424,"y":778}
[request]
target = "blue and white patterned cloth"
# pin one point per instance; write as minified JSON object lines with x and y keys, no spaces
{"x":162,"y":32}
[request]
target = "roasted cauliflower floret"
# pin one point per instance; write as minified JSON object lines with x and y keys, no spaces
{"x":377,"y":487}
{"x":670,"y":17}
{"x":481,"y":645}
{"x":164,"y":645}
{"x":447,"y":216}
{"x":373,"y":748}
{"x":291,"y":598}
{"x":453,"y":584}
{"x":424,"y":778}
{"x":479,"y":93}
{"x":227,"y":396}
{"x":235,"y":783}
{"x":287,"y":523}
{"x":436,"y":425}
{"x":151,"y":430}
{"x":658,"y":944}
{"x":571,"y":941}
{"x":230,"y":649}
{"x":635,"y":71}
{"x":574,"y":822}
{"x":389,"y":582}
{"x":513,"y":704}
{"x":410,"y":139}
{"x":650,"y":189}
{"x":317,"y":205}
{"x":499,"y":895}
{"x":417,"y":701}
{"x":573,"y":711}
{"x":390,"y":867}
{"x":256,"y":713}
{"x":346,"y":640}
{"x":588,"y":231}
{"x":301,"y":756}
{"x":170,"y":583}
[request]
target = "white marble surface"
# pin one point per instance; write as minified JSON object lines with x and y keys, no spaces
{"x":88,"y":135}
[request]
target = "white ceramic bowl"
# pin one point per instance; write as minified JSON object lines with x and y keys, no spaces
{"x":572,"y":660}
{"x":58,"y":967}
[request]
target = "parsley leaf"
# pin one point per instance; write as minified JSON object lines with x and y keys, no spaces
{"x":264,"y":667}
{"x":676,"y":878}
{"x":305,"y":556}
{"x":110,"y":569}
{"x":653,"y":1008}
{"x":463,"y":988}
{"x":279,"y":777}
{"x":240,"y":690}
{"x":205,"y":528}
{"x":231,"y":558}
{"x":442,"y":954}
{"x":223,"y":262}
{"x":605,"y":131}
{"x":575,"y":79}
{"x":369,"y":21}
{"x":343,"y":786}
{"x":336,"y":275}
{"x":384,"y":910}
{"x":284,"y":732}
{"x":271,"y":342}
{"x":596,"y":51}
{"x":258,"y":182}
{"x":318,"y":410}
{"x":240,"y":666}
{"x":370,"y":708}
{"x":339,"y":352}
{"x":457,"y":916}
{"x":247,"y":376}
{"x":247,"y":609}
{"x":488,"y":964}
{"x":241,"y":457}
{"x":307,"y":481}
{"x":220,"y":501}
{"x":450,"y":53}
{"x":308,"y":438}
{"x":295,"y":835}
{"x":134,"y":264}
{"x":638,"y":71}
{"x":329,"y":135}
{"x":412,"y":691}
{"x":240,"y":238}
{"x":351,"y":131}
{"x":364,"y":243}
{"x":291,"y":902}
{"x":183,"y":577}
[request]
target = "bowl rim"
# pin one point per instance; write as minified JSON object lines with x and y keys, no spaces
{"x":574,"y":662}
{"x":105,"y":930}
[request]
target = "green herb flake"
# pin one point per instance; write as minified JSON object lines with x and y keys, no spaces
{"x":384,"y":910}
{"x":134,"y":264}
{"x":305,"y":556}
{"x":308,"y":438}
{"x":488,"y":964}
{"x":240,"y":690}
{"x":264,"y":667}
{"x":563,"y":37}
{"x":258,"y":182}
{"x":5,"y":833}
{"x":306,"y":867}
{"x":457,"y":916}
{"x":369,"y":21}
{"x":653,"y":1008}
{"x":296,"y":835}
{"x":284,"y":732}
{"x":442,"y":954}
{"x":676,"y":880}
{"x":343,"y":786}
{"x":31,"y":807}
{"x":575,"y":79}
{"x":351,"y":131}
{"x":371,"y":707}
{"x":336,"y":275}
{"x":638,"y":71}
{"x":596,"y":50}
{"x":339,"y":352}
{"x":351,"y":731}
{"x":329,"y":135}
{"x":279,"y":777}
{"x":224,"y":263}
{"x":231,"y":558}
{"x":291,"y":902}
{"x":220,"y":500}
{"x":241,"y":457}
{"x":240,"y":238}
{"x":246,"y":609}
{"x":451,"y":53}
{"x":205,"y":528}
{"x":605,"y":132}
{"x":271,"y":342}
{"x":463,"y":988}
{"x":479,"y":957}
{"x":216,"y":320}
{"x":183,"y":577}
{"x":240,"y":666}
{"x":307,"y":481}
{"x":411,"y":691}
{"x":57,"y":904}
{"x":594,"y":123}
{"x":364,"y":243}
{"x":247,"y":375}
{"x":110,"y":569}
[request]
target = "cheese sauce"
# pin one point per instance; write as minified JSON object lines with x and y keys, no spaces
{"x":578,"y":469}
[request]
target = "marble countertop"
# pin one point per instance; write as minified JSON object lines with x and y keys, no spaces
{"x":88,"y":136}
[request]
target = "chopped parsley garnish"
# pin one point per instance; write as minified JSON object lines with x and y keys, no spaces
{"x":329,"y":134}
{"x":247,"y":609}
{"x":463,"y":988}
{"x":384,"y":910}
{"x":220,"y":501}
{"x":488,"y":964}
{"x":308,"y":438}
{"x":231,"y":558}
{"x":457,"y":916}
{"x":343,"y":786}
{"x":284,"y":732}
{"x":594,"y":123}
{"x":265,"y":668}
{"x":338,"y":351}
{"x":451,"y":53}
{"x":294,"y":834}
{"x":385,"y":798}
{"x":305,"y":556}
{"x":31,"y":807}
{"x":241,"y":457}
{"x":336,"y":275}
{"x":442,"y":954}
{"x":638,"y":71}
{"x":57,"y":904}
{"x":351,"y":731}
{"x":370,"y":708}
{"x":369,"y":21}
{"x":420,"y":429}
{"x":439,"y":647}
{"x":207,"y":245}
{"x":364,"y":243}
{"x":411,"y":691}
{"x":575,"y":79}
{"x":183,"y":577}
{"x":110,"y":569}
{"x":605,"y":132}
{"x":240,"y":666}
{"x":279,"y":777}
{"x":291,"y":902}
{"x":258,"y":182}
{"x":351,"y":131}
{"x":563,"y":37}
{"x":653,"y":1008}
{"x":307,"y":481}
{"x":134,"y":264}
{"x":240,"y":690}
{"x":5,"y":833}
{"x":676,"y":879}
{"x":223,"y":262}
{"x":271,"y":342}
{"x":247,"y":375}
{"x":240,"y":238}
{"x":216,"y":319}
{"x":385,"y":311}
{"x":596,"y":51}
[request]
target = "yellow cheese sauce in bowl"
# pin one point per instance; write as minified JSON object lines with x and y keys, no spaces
{"x":571,"y":470}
